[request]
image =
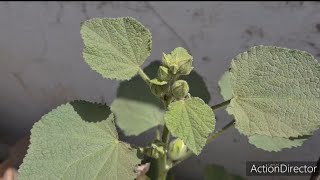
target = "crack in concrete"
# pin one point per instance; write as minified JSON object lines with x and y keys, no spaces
{"x":59,"y":14}
{"x":84,"y":10}
{"x":167,"y":24}
{"x":21,"y":82}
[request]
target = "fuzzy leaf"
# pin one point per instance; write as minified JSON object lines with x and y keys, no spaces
{"x":225,"y":86}
{"x":136,"y":108}
{"x":115,"y":47}
{"x":274,"y":143}
{"x":66,"y":146}
{"x":144,"y":117}
{"x":192,"y":121}
{"x":276,"y":92}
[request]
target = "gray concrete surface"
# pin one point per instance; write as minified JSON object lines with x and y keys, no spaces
{"x":41,"y":65}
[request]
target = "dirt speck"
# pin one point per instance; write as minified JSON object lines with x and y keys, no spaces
{"x":206,"y":59}
{"x":311,"y":44}
{"x":198,"y":14}
{"x":254,"y":31}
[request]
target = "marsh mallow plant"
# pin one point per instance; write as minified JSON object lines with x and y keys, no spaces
{"x":273,"y":94}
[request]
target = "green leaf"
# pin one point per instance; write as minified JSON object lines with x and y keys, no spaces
{"x":136,"y":108}
{"x":115,"y":47}
{"x":225,"y":86}
{"x":274,"y":143}
{"x":64,"y":146}
{"x":215,"y":172}
{"x":192,"y":121}
{"x":158,"y":82}
{"x":276,"y":92}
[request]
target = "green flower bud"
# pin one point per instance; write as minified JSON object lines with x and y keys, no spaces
{"x":156,"y":150}
{"x":177,"y":149}
{"x":179,"y":61}
{"x":185,"y":67}
{"x":163,"y":73}
{"x":158,"y":90}
{"x":166,"y":60}
{"x":180,"y":89}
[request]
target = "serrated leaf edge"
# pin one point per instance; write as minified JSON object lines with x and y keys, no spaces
{"x":137,"y":66}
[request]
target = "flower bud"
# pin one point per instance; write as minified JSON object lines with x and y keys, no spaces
{"x":163,"y":73}
{"x":177,"y":149}
{"x":180,"y":89}
{"x":158,"y":90}
{"x":185,"y":67}
{"x":156,"y":150}
{"x":179,"y":61}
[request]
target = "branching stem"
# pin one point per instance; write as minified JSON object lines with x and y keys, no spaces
{"x":144,"y":76}
{"x":220,"y":105}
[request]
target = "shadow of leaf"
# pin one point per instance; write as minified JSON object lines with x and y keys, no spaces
{"x":138,"y":110}
{"x":91,"y":112}
{"x":197,"y":86}
{"x":136,"y":89}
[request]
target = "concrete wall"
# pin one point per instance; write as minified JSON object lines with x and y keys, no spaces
{"x":41,"y":64}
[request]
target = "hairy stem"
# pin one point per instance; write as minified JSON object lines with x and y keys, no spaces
{"x":144,"y":76}
{"x":165,"y":136}
{"x":221,"y":131}
{"x":158,"y":133}
{"x":220,"y":105}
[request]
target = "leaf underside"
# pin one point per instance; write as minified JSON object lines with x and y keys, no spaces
{"x":276,"y":144}
{"x":115,"y":47}
{"x":64,"y":146}
{"x":138,"y":110}
{"x":192,"y":121}
{"x":225,"y":86}
{"x":135,"y":107}
{"x":275,"y":95}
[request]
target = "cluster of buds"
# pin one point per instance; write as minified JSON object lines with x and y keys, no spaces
{"x":179,"y":62}
{"x":175,"y":64}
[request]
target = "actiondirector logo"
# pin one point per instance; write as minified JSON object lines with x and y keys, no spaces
{"x":258,"y":168}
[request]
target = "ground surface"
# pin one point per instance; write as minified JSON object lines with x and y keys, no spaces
{"x":41,"y":65}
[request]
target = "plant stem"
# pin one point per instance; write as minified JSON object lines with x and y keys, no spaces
{"x":158,"y":133}
{"x":162,"y":169}
{"x":220,"y":105}
{"x":218,"y":133}
{"x":162,"y":162}
{"x":165,"y":136}
{"x":144,"y":76}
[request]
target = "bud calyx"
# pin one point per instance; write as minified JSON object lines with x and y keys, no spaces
{"x":180,"y":89}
